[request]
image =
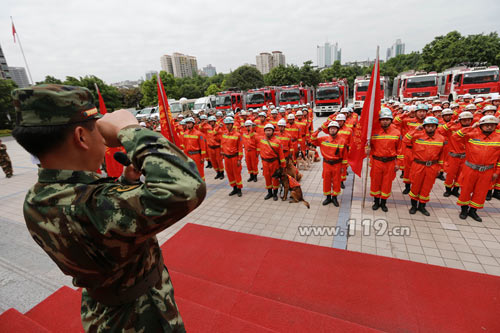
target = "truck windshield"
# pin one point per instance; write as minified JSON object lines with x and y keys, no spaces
{"x":223,"y":100}
{"x":363,"y":86}
{"x":255,"y":98}
{"x":175,"y":107}
{"x":481,"y":77}
{"x":199,"y":106}
{"x":327,"y":93}
{"x":290,"y":95}
{"x":421,"y":82}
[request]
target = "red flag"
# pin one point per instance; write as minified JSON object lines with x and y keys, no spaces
{"x":14,"y":32}
{"x":362,"y":132}
{"x":102,"y":106}
{"x":166,"y":122}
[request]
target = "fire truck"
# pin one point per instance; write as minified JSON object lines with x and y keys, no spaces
{"x":256,"y":98}
{"x":361,"y":89}
{"x":331,"y":96}
{"x":231,"y":99}
{"x":457,"y":81}
{"x":415,"y":85}
{"x":293,"y":94}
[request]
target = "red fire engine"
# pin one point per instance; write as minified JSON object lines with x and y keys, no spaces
{"x":419,"y":85}
{"x":458,"y":81}
{"x":230,"y":99}
{"x":294,"y":94}
{"x":361,"y":89}
{"x":331,"y":96}
{"x":256,"y":98}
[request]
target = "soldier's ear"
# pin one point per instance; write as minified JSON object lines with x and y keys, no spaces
{"x":81,"y":138}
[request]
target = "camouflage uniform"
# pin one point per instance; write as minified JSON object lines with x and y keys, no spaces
{"x":102,"y":233}
{"x":5,"y":162}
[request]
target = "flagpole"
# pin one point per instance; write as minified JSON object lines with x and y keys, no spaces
{"x":370,"y":123}
{"x":21,"y":47}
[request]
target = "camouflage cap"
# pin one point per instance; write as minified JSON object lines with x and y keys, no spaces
{"x":53,"y":104}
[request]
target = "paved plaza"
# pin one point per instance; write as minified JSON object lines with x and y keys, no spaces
{"x":27,"y":275}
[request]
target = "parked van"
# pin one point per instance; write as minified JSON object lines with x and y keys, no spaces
{"x":204,"y":103}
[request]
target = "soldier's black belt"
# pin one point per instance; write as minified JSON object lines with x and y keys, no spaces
{"x":270,"y":160}
{"x":457,"y":155}
{"x":332,"y":162}
{"x":384,"y":159}
{"x":230,"y":156}
{"x":480,"y":168}
{"x":409,"y":147}
{"x":112,"y":297}
{"x":194,"y":152}
{"x":214,"y":147}
{"x":426,"y":163}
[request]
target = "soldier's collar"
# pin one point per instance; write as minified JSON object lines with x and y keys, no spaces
{"x":66,"y":176}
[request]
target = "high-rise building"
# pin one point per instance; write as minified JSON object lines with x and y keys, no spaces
{"x":150,"y":75}
{"x":4,"y":68}
{"x":166,"y":64}
{"x":396,"y":49}
{"x":19,"y":76}
{"x":278,"y":59}
{"x":209,"y":70}
{"x":264,"y":62}
{"x":327,"y":54}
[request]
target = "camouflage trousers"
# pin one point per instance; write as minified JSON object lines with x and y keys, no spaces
{"x":5,"y":163}
{"x":155,"y":311}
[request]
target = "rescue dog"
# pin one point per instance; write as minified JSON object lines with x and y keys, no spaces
{"x":292,"y":171}
{"x":290,"y":185}
{"x":302,"y":163}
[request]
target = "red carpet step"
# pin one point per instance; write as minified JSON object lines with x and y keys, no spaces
{"x":377,"y":292}
{"x":60,"y":312}
{"x":13,"y":321}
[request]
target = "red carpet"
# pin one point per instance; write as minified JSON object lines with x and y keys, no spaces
{"x":231,"y":282}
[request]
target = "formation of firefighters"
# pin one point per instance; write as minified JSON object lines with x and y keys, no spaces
{"x":424,"y":139}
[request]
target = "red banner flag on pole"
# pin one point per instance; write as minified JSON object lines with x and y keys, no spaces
{"x":363,"y":132}
{"x":166,"y":121}
{"x":102,"y":106}
{"x":14,"y":32}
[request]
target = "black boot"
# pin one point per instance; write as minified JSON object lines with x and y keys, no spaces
{"x":269,"y":194}
{"x":496,"y":194}
{"x":342,"y":186}
{"x":239,"y":192}
{"x":413,"y":208}
{"x":217,"y":175}
{"x":441,"y":176}
{"x":402,"y":174}
{"x":209,"y":164}
{"x":421,"y":208}
{"x":334,"y":201}
{"x":250,"y":179}
{"x":221,"y":175}
{"x":234,"y":191}
{"x":464,"y":212}
{"x":473,"y":213}
{"x":489,"y":195}
{"x":376,"y":203}
{"x":327,"y":200}
{"x":275,"y":195}
{"x":456,"y":191}
{"x":448,"y":192}
{"x":255,"y":178}
{"x":383,"y":206}
{"x":407,"y":189}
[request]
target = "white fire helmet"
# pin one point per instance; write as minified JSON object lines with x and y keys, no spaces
{"x":340,"y":117}
{"x":489,"y":108}
{"x":466,"y":115}
{"x":248,"y":123}
{"x":299,"y":113}
{"x":488,"y":120}
{"x":470,"y":107}
{"x":290,"y":116}
{"x":437,"y":108}
{"x":333,"y":123}
{"x":269,"y":126}
{"x":264,"y":108}
{"x":282,"y":122}
{"x":447,"y":111}
{"x":385,"y":113}
{"x":467,"y":96}
{"x":478,"y":100}
{"x":344,"y":110}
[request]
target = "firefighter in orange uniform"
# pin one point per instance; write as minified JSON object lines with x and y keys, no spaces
{"x":482,"y":165}
{"x":272,"y":157}
{"x":385,"y":144}
{"x":285,"y":139}
{"x":274,"y":118}
{"x":333,"y":150}
{"x":260,"y":122}
{"x":232,"y":150}
{"x":249,"y":137}
{"x":303,"y":125}
{"x":427,"y":154}
{"x":295,"y":134}
{"x":213,"y":147}
{"x":195,"y":145}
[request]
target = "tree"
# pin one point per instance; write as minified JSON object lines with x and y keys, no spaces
{"x":308,"y":75}
{"x":7,"y":114}
{"x":190,"y":90}
{"x":50,"y":79}
{"x":212,"y":89}
{"x":245,"y":77}
{"x":130,"y":98}
{"x":283,"y":75}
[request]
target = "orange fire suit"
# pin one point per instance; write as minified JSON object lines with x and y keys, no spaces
{"x":213,"y":147}
{"x":385,"y":145}
{"x":232,"y":150}
{"x":251,"y":155}
{"x":407,"y":124}
{"x":260,"y":126}
{"x":482,"y":160}
{"x":295,"y":134}
{"x":454,"y":155}
{"x":427,"y":154}
{"x":272,"y":157}
{"x":304,"y":137}
{"x":195,"y":148}
{"x":286,"y":143}
{"x":334,"y":152}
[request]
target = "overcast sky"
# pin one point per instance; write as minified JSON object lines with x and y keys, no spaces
{"x":118,"y":39}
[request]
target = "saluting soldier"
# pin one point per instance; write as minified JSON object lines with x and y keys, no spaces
{"x":98,"y":230}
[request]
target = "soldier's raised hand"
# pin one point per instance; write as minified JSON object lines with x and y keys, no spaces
{"x":111,"y":123}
